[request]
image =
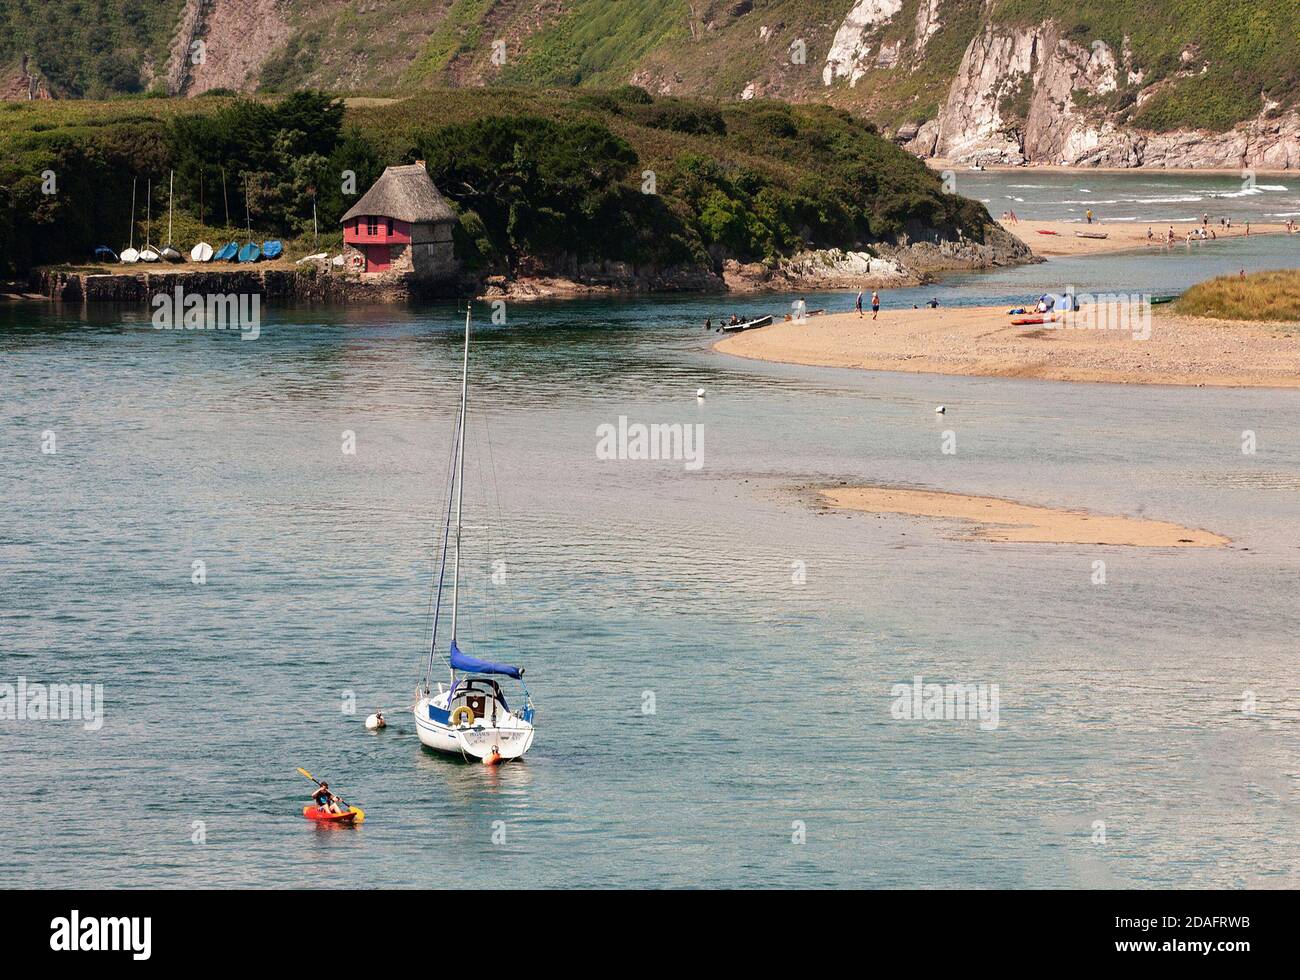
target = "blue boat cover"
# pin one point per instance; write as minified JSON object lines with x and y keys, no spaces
{"x":227,"y":252}
{"x":272,"y":249}
{"x":462,"y":661}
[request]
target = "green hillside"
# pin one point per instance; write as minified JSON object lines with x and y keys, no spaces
{"x":536,"y":175}
{"x":1199,"y":63}
{"x":89,"y":48}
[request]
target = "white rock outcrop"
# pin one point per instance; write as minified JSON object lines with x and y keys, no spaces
{"x":1028,"y":95}
{"x":850,"y":53}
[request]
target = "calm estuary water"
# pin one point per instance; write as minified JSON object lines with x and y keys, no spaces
{"x":630,"y":583}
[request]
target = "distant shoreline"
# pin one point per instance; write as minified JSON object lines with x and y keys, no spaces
{"x":982,"y":342}
{"x":1055,"y":239}
{"x":942,"y":163}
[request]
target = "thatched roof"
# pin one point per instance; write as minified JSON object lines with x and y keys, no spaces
{"x":405,"y":193}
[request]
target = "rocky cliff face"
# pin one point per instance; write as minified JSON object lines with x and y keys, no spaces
{"x":951,"y":78}
{"x":1021,"y":96}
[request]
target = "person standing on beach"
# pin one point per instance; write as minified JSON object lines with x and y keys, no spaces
{"x":875,"y":304}
{"x":857,"y":304}
{"x":1090,"y":216}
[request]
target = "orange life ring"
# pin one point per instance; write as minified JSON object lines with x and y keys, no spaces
{"x":357,"y":261}
{"x":464,"y":710}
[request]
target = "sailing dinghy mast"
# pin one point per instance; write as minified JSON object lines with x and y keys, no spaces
{"x":460,"y":491}
{"x":435,"y":601}
{"x":455,"y":499}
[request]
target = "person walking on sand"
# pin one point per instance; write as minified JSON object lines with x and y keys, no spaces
{"x":857,"y":304}
{"x":1247,"y":228}
{"x":1150,"y":233}
{"x":875,"y":304}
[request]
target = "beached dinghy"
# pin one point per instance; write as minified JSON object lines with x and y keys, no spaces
{"x":148,"y":254}
{"x":202,"y":252}
{"x":272,"y":249}
{"x":227,"y":252}
{"x":762,"y":321}
{"x":468,"y":717}
{"x":250,"y":252}
{"x":1091,"y":234}
{"x":103,"y":253}
{"x":168,"y":253}
{"x":129,"y":254}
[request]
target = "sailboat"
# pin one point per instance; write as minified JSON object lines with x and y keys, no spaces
{"x":129,"y":254}
{"x":469,"y":716}
{"x":168,"y":252}
{"x":147,"y":254}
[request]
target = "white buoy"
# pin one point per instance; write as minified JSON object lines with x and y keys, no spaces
{"x":699,"y":392}
{"x":376,"y":721}
{"x":941,"y":409}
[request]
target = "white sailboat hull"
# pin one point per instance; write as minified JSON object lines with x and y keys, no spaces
{"x":511,"y":737}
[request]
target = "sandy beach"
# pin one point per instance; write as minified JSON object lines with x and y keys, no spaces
{"x":942,"y":163}
{"x":982,"y":341}
{"x":995,"y":519}
{"x":1057,"y":238}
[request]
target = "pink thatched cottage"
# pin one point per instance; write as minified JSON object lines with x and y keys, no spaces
{"x":401,"y":226}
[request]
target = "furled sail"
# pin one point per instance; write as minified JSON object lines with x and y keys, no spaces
{"x":462,"y":661}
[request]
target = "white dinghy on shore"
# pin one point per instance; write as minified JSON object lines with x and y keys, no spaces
{"x":202,"y":252}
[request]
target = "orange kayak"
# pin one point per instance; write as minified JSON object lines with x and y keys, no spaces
{"x":316,"y":813}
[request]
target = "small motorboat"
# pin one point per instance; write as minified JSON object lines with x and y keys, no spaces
{"x":103,"y":253}
{"x":227,"y":252}
{"x":762,"y":321}
{"x":202,"y":252}
{"x":272,"y":249}
{"x":250,"y":252}
{"x":1160,"y":300}
{"x":1091,"y":234}
{"x":312,"y":812}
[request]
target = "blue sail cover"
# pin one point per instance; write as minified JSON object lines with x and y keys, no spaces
{"x":462,"y":661}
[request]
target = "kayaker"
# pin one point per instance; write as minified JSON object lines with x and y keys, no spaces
{"x":326,"y":800}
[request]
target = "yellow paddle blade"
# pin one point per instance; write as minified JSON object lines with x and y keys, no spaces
{"x":361,"y":814}
{"x":307,"y":774}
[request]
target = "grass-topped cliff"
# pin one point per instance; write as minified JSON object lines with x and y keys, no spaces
{"x":535,"y":175}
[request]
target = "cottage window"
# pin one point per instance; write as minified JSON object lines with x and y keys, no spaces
{"x":390,"y":226}
{"x":372,"y":226}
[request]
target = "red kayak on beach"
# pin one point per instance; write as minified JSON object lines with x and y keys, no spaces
{"x":324,"y":816}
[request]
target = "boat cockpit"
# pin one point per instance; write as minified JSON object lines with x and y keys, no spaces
{"x":481,"y":696}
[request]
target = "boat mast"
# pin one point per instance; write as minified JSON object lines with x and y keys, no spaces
{"x":131,"y":245}
{"x":171,"y":184}
{"x":460,"y":484}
